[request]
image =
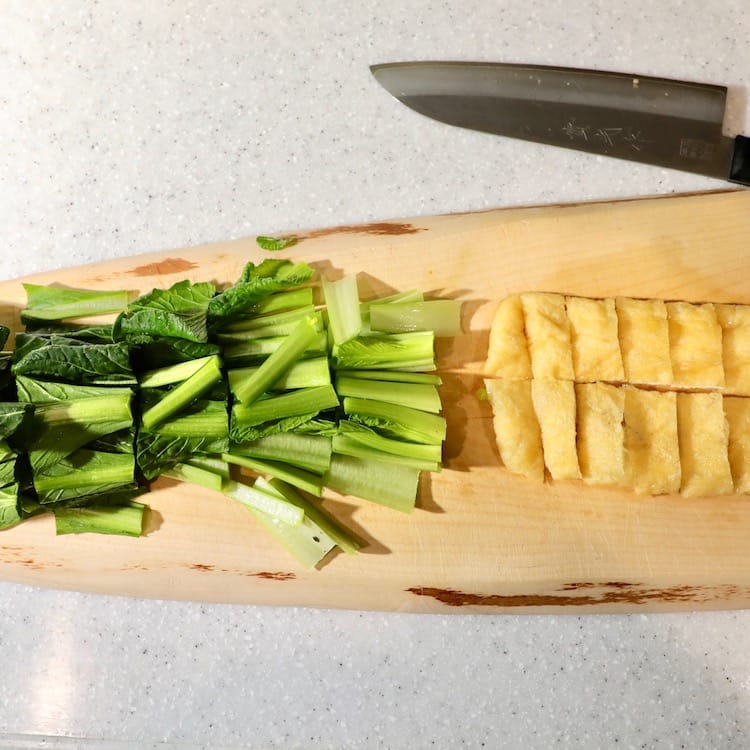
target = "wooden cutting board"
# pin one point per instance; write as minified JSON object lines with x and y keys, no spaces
{"x":481,"y":540}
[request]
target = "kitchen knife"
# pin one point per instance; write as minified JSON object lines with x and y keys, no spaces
{"x":667,"y":123}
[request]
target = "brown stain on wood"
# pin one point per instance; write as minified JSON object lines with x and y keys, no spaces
{"x":379,"y":228}
{"x":621,"y":593}
{"x":268,"y":575}
{"x":164,"y":267}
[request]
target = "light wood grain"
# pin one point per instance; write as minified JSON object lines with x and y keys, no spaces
{"x":481,"y":540}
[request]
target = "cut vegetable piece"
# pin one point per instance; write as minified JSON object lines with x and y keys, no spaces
{"x":387,"y":351}
{"x":346,"y":445}
{"x":270,"y":503}
{"x":61,"y":303}
{"x":695,"y":345}
{"x":735,"y":325}
{"x":548,"y":334}
{"x":652,"y":454}
{"x":279,"y":362}
{"x":9,"y":510}
{"x":123,"y":520}
{"x":342,"y":303}
{"x":508,"y":352}
{"x":203,"y":477}
{"x":394,"y":420}
{"x":279,"y":323}
{"x":397,"y":376}
{"x":415,"y":395}
{"x":288,"y":404}
{"x":305,"y":373}
{"x":737,"y":411}
{"x":441,"y":316}
{"x":386,"y":484}
{"x":257,"y":350}
{"x":305,"y":480}
{"x":644,"y":341}
{"x":310,"y":452}
{"x":366,"y":436}
{"x":516,"y":428}
{"x":555,"y":408}
{"x":172,"y":373}
{"x":287,"y":300}
{"x":594,"y":340}
{"x":189,"y":390}
{"x":704,"y":444}
{"x":210,"y":463}
{"x":314,"y":513}
{"x":601,"y":440}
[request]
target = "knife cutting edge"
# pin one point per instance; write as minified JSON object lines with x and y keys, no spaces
{"x":658,"y":121}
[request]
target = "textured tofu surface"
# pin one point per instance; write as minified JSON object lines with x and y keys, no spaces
{"x":594,"y":340}
{"x":735,"y":324}
{"x":555,"y":406}
{"x":695,"y":345}
{"x":516,"y":427}
{"x":737,"y":411}
{"x":644,"y":341}
{"x":704,"y":445}
{"x":548,"y":333}
{"x":600,"y":436}
{"x":508,"y":354}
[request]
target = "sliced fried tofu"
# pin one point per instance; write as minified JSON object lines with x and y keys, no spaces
{"x":555,"y":406}
{"x":652,"y":454}
{"x":695,"y":345}
{"x":594,"y":341}
{"x":737,"y":411}
{"x":599,"y":419}
{"x":735,"y":325}
{"x":548,"y":335}
{"x":704,"y":445}
{"x":516,"y":427}
{"x":644,"y":341}
{"x":508,"y":352}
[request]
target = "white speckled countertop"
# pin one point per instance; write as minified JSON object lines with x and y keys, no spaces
{"x":128,"y":127}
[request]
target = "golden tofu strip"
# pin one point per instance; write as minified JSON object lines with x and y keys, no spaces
{"x":594,"y":340}
{"x":555,"y":406}
{"x":601,"y":454}
{"x":644,"y":341}
{"x":508,"y":353}
{"x":516,"y":428}
{"x":704,"y":445}
{"x":652,"y":454}
{"x":737,"y":412}
{"x":695,"y":346}
{"x":735,"y":324}
{"x":548,"y":334}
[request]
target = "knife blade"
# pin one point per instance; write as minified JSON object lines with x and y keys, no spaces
{"x":658,"y":121}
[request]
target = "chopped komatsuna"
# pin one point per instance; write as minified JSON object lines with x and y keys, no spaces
{"x":274,"y":244}
{"x":342,"y":306}
{"x":397,"y":376}
{"x":264,"y":326}
{"x":287,"y":300}
{"x":268,"y":414}
{"x":387,"y":351}
{"x":441,"y":316}
{"x":172,"y":374}
{"x":305,"y":480}
{"x":201,"y":381}
{"x":255,"y":351}
{"x":72,"y":361}
{"x":380,"y":482}
{"x":125,"y":519}
{"x":9,"y":510}
{"x":397,"y":421}
{"x":277,"y":364}
{"x":305,"y":373}
{"x":417,"y":395}
{"x":195,"y":474}
{"x":307,"y":451}
{"x":354,"y":439}
{"x":255,"y":284}
{"x":46,"y":302}
{"x":259,"y":499}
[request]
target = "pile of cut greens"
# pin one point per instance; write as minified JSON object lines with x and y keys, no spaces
{"x":256,"y":391}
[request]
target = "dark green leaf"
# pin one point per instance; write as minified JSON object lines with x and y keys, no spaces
{"x":9,"y":507}
{"x":4,"y":333}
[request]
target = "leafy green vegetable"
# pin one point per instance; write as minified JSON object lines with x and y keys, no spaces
{"x":273,"y":244}
{"x":125,"y":519}
{"x":266,"y":502}
{"x":72,"y":361}
{"x":397,"y":421}
{"x":395,"y":351}
{"x":59,"y":303}
{"x":255,"y":284}
{"x":305,"y":480}
{"x":310,"y":452}
{"x":9,"y":511}
{"x":342,"y":303}
{"x":441,"y":316}
{"x":417,"y":395}
{"x":4,"y":333}
{"x":304,"y":373}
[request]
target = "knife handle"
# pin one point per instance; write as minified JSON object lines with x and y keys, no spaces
{"x":740,"y":168}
